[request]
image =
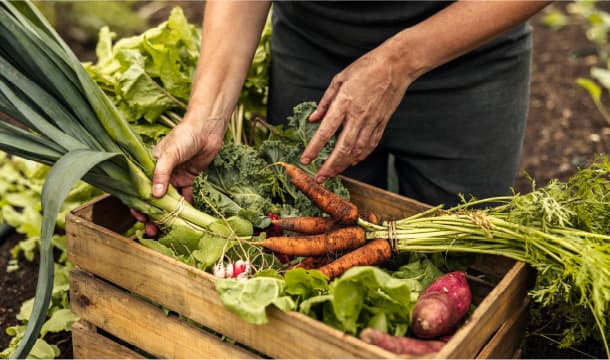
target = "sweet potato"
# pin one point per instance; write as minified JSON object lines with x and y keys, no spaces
{"x":456,"y":286}
{"x":441,"y":306}
{"x":433,"y":316}
{"x":400,"y":344}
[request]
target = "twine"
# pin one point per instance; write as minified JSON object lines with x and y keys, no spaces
{"x":392,"y":236}
{"x":167,"y":220}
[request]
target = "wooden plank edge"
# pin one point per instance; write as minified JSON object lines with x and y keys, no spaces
{"x":503,"y":301}
{"x":507,"y":341}
{"x":88,"y":344}
{"x":142,"y":324}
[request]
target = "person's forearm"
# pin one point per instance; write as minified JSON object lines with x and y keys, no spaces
{"x":457,"y":29}
{"x":230,"y":34}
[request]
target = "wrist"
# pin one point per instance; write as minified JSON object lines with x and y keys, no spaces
{"x":406,"y":54}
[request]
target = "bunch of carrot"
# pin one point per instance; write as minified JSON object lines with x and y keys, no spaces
{"x":331,"y":244}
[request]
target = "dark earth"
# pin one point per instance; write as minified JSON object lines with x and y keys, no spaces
{"x":564,"y":132}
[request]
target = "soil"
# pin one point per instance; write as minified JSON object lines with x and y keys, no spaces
{"x":564,"y":132}
{"x":565,"y":129}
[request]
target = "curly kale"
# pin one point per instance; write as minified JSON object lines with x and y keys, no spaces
{"x":238,"y":182}
{"x":245,"y":180}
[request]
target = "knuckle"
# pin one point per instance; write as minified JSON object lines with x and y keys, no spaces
{"x":338,"y":79}
{"x":374,"y":142}
{"x":345,"y":101}
{"x":343,"y":150}
{"x":324,"y":135}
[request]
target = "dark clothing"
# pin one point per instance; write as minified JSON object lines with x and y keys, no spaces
{"x":459,"y":128}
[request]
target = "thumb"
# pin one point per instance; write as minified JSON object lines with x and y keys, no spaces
{"x":163,"y":170}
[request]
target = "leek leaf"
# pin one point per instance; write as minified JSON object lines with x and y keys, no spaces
{"x":27,"y":148}
{"x":54,"y":111}
{"x":66,"y":172}
{"x":35,"y":64}
{"x":39,"y":123}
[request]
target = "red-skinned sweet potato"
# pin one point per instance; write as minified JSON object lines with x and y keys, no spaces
{"x":456,"y":286}
{"x":400,"y":344}
{"x":441,"y":306}
{"x":434,"y":315}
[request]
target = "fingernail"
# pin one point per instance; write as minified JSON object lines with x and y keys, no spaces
{"x":314,"y":113}
{"x":158,"y":189}
{"x":320,"y":179}
{"x":305,"y":160}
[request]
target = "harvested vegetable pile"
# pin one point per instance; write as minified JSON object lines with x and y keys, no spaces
{"x":239,"y":226}
{"x":561,"y":229}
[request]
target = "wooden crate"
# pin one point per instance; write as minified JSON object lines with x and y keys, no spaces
{"x":118,"y":288}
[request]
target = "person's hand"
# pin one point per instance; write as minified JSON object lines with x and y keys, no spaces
{"x":185,"y":152}
{"x":362,"y":98}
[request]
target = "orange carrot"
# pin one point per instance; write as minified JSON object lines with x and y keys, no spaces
{"x":327,"y":201}
{"x":315,"y":245}
{"x":372,"y":253}
{"x":312,"y":262}
{"x":308,"y":225}
{"x":370,"y":217}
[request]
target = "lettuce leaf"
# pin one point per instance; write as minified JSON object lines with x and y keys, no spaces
{"x":363,"y":296}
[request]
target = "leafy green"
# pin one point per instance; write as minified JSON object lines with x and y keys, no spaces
{"x":238,"y":182}
{"x":302,"y":284}
{"x":211,"y":249}
{"x":148,"y":76}
{"x":250,"y":299}
{"x":40,"y":350}
{"x":60,"y":319}
{"x":362,"y":296}
{"x":362,"y":293}
{"x":420,"y":268}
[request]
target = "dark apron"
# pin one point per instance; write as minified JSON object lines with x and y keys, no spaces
{"x":459,"y":128}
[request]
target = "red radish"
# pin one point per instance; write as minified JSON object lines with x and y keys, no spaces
{"x":229,"y":270}
{"x":400,"y":344}
{"x":240,"y":269}
{"x":273,"y":229}
{"x":219,"y":270}
{"x":441,"y":306}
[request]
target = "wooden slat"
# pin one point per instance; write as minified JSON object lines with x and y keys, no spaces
{"x":502,"y":303}
{"x":506,"y":343}
{"x":144,"y":325}
{"x":190,"y":292}
{"x":387,"y":205}
{"x":88,"y":344}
